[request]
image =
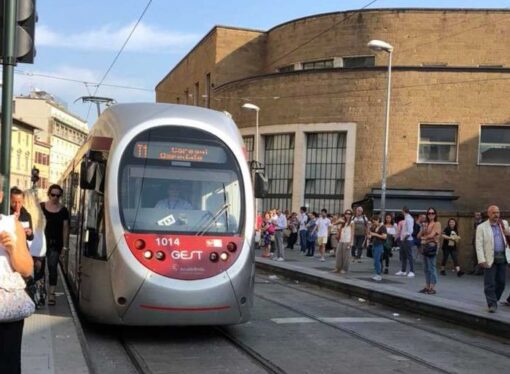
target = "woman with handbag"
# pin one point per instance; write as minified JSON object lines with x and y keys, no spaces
{"x":15,"y":304}
{"x":430,"y":234}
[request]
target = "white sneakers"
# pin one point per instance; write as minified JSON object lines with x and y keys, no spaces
{"x":410,"y":275}
{"x":323,"y":259}
{"x":377,"y":278}
{"x":280,"y":259}
{"x":401,"y":273}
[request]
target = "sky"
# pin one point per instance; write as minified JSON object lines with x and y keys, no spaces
{"x":77,"y":41}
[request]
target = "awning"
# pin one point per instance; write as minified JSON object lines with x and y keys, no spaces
{"x":415,"y":200}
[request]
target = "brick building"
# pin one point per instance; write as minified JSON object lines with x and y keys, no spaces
{"x":322,"y":93}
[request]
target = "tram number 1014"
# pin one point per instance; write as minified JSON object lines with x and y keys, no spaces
{"x":168,"y":242}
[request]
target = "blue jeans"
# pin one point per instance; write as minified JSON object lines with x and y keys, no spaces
{"x":429,"y":265}
{"x":302,"y":240}
{"x":377,"y":251}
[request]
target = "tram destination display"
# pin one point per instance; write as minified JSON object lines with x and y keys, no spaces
{"x":174,"y":151}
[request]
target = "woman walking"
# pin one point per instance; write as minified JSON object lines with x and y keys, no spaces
{"x":430,"y":234}
{"x":57,"y":234}
{"x":37,"y":246}
{"x":391,"y":231}
{"x":450,"y":239}
{"x":345,"y":237}
{"x":15,"y":263}
{"x":377,"y":235}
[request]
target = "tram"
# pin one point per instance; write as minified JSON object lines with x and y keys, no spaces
{"x":162,"y":218}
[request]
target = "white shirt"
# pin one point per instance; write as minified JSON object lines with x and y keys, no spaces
{"x":322,"y":227}
{"x":281,"y":222}
{"x":409,"y":226}
{"x":9,"y":279}
{"x":303,"y":219}
{"x":37,"y":246}
{"x":346,"y":234}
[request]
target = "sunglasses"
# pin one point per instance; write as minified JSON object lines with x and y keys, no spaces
{"x":348,"y":213}
{"x":434,"y":213}
{"x":55,"y":194}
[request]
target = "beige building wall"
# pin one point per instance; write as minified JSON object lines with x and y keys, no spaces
{"x":22,"y":152}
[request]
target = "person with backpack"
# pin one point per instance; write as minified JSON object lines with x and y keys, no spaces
{"x":360,"y":222}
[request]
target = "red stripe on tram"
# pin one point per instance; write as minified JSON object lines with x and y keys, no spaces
{"x":174,"y":309}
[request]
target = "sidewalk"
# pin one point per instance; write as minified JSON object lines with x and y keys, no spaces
{"x":51,"y":343}
{"x":458,"y":300}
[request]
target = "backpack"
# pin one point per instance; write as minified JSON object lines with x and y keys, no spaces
{"x":271,"y":229}
{"x":360,"y":226}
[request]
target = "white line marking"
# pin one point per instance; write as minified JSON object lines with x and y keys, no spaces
{"x":293,"y":320}
{"x":331,"y":320}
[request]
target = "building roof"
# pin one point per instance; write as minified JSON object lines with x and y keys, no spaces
{"x":20,"y":122}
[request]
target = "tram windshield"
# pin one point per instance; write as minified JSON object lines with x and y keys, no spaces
{"x":180,"y":180}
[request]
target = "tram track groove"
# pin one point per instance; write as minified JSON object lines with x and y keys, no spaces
{"x":405,"y":323}
{"x":358,"y":336}
{"x":136,"y":359}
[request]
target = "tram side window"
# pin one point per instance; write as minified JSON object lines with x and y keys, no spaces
{"x":93,"y":225}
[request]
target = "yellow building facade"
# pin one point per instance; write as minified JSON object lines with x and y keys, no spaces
{"x":22,"y":153}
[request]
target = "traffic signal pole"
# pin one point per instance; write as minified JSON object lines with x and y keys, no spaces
{"x":8,"y":62}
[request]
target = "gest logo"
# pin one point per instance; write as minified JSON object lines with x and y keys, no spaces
{"x":186,"y":255}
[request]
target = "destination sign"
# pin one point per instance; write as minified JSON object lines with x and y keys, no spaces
{"x":173,"y":151}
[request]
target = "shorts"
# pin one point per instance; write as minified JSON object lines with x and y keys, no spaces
{"x":322,"y":240}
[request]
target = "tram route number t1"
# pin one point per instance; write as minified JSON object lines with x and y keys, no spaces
{"x":174,"y":151}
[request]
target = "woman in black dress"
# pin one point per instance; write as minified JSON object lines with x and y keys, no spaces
{"x":57,"y":234}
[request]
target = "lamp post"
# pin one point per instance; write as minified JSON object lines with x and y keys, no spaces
{"x":249,"y":106}
{"x":380,"y":46}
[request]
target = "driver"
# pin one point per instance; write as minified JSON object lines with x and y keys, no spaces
{"x":173,"y":201}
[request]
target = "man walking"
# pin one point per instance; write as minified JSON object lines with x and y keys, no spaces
{"x":490,"y":251}
{"x":280,"y":223}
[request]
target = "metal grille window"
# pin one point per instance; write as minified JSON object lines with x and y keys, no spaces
{"x":494,"y":145}
{"x":359,"y":61}
{"x":322,"y":64}
{"x":285,"y":69}
{"x":279,"y":169}
{"x":438,"y":143}
{"x":325,"y":171}
{"x":249,"y":143}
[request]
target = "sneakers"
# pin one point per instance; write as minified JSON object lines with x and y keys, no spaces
{"x":401,"y":273}
{"x":410,"y":275}
{"x":385,"y":271}
{"x":460,"y":273}
{"x":344,"y":272}
{"x":377,"y":278}
{"x":323,"y":259}
{"x":280,"y":259}
{"x":493,"y":308}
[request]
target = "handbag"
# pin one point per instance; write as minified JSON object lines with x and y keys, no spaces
{"x":429,"y":249}
{"x":15,"y":304}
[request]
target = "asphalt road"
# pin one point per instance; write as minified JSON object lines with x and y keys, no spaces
{"x":299,"y":328}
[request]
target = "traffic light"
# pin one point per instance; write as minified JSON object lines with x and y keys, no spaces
{"x":25,"y":31}
{"x":35,"y":176}
{"x":26,"y":18}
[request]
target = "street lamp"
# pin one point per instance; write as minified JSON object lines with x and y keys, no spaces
{"x":380,"y":46}
{"x":249,"y":106}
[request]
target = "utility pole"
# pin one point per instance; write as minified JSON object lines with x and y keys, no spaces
{"x":8,"y":62}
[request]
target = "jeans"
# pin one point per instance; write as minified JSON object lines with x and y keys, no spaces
{"x":406,"y":254}
{"x":278,"y":239}
{"x":429,"y":265}
{"x":310,"y":248}
{"x":10,"y":347}
{"x":357,"y":248}
{"x":302,"y":240}
{"x":377,"y":251}
{"x":52,"y":256}
{"x":447,"y":252}
{"x":494,"y":282}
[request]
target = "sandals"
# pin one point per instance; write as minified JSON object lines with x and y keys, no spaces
{"x":425,"y":290}
{"x":51,"y":299}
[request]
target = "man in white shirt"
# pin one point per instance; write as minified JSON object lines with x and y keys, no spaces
{"x":303,"y":219}
{"x":280,"y":222}
{"x":323,"y":223}
{"x":406,"y":250}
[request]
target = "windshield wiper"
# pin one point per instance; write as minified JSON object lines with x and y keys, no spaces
{"x":213,"y":220}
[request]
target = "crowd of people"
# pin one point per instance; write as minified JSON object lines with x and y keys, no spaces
{"x":32,"y":238}
{"x":352,"y":235}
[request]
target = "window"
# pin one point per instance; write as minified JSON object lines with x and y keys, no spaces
{"x":322,"y":64}
{"x":325,"y":171}
{"x":196,"y":93}
{"x":250,"y":147}
{"x":18,"y":161}
{"x":359,"y":61}
{"x":208,"y":90}
{"x":26,"y":163}
{"x":285,"y":69}
{"x":438,"y":143}
{"x":279,"y":169}
{"x":494,"y":145}
{"x":186,"y":97}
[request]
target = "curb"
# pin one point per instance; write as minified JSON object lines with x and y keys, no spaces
{"x":453,"y":315}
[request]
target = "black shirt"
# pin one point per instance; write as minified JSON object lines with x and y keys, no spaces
{"x":55,"y":226}
{"x":24,"y":216}
{"x":381,"y":230}
{"x":446,"y":242}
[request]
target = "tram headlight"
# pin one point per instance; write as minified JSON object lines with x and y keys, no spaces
{"x":160,"y":255}
{"x":139,"y":244}
{"x":147,"y":255}
{"x":214,"y":257}
{"x":231,"y":247}
{"x":224,"y":256}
